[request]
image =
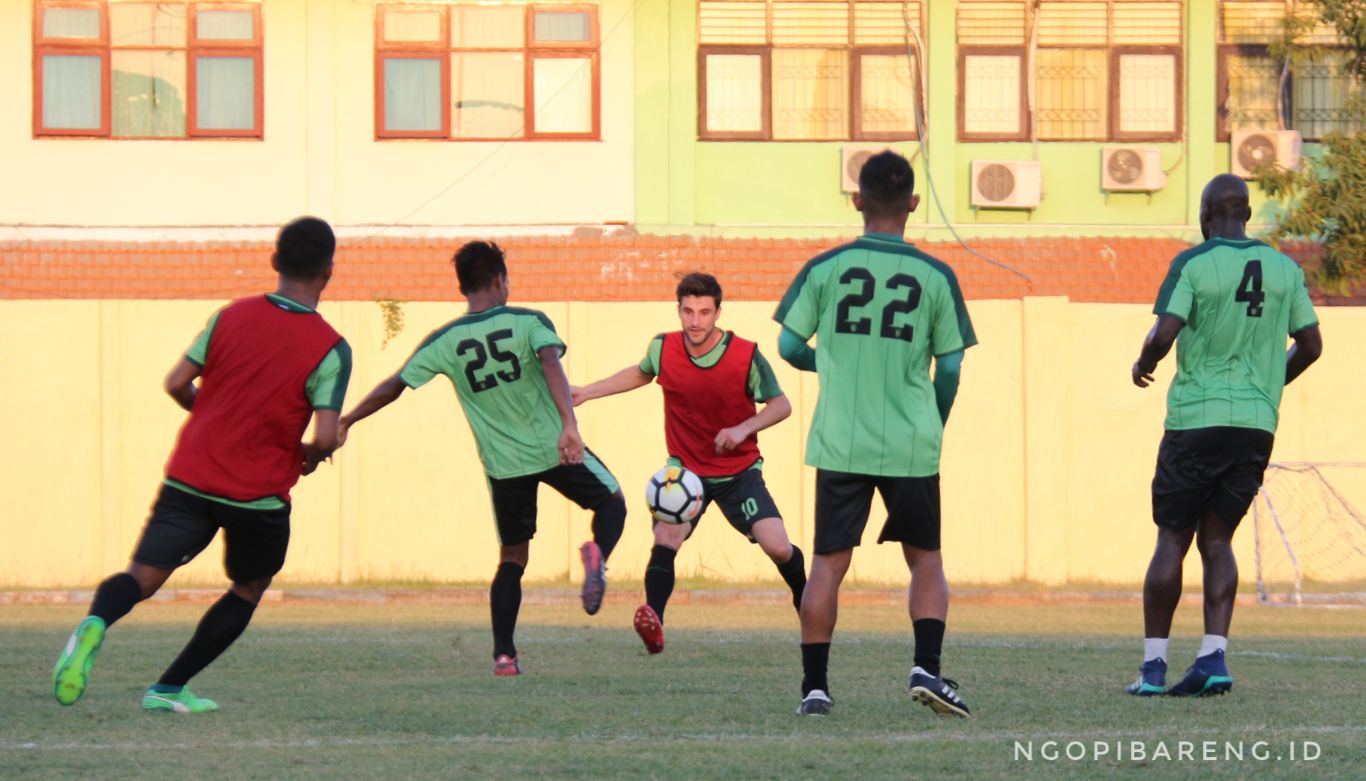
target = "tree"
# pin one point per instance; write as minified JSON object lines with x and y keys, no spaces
{"x":1326,"y":198}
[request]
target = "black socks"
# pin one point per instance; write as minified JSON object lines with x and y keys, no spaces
{"x":815,"y":663}
{"x":609,"y":519}
{"x":115,"y":597}
{"x":505,"y":599}
{"x":659,"y":578}
{"x":794,"y":574}
{"x":220,"y":626}
{"x":929,"y":642}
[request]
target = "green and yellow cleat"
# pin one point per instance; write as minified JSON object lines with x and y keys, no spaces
{"x":182,"y":701}
{"x":72,"y":670}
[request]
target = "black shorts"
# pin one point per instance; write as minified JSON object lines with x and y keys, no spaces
{"x":743,"y":499}
{"x":589,"y":485}
{"x":182,"y":525}
{"x":1216,"y":469}
{"x":843,"y":501}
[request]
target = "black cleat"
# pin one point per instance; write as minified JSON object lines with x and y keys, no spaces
{"x":815,"y":703}
{"x":939,"y":694}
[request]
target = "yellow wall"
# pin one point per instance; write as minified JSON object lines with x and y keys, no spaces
{"x":319,"y":154}
{"x":1045,"y":475}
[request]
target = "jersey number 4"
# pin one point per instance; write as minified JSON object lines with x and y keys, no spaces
{"x":1250,"y":288}
{"x":481,"y":357}
{"x":845,"y":324}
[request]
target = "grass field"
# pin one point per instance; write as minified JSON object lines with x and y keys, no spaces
{"x":352,"y":690}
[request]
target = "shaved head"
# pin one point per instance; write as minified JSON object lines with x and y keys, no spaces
{"x":1224,"y":205}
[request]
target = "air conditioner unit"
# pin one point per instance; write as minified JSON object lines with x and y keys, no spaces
{"x":1251,"y":148}
{"x":1131,"y":169}
{"x":1006,"y":184}
{"x":852,"y":158}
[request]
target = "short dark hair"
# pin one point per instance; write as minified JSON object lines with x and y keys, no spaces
{"x":304,"y":248}
{"x":885,"y":184}
{"x":699,"y":284}
{"x":478,"y":265}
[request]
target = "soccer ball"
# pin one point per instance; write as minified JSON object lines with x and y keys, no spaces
{"x":674,"y":495}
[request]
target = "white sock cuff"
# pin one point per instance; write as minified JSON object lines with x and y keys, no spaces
{"x":1154,"y":648}
{"x":1212,"y":643}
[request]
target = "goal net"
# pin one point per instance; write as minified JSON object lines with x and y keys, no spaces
{"x":1310,"y":531}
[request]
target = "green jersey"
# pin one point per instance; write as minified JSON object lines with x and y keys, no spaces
{"x":1239,"y":300}
{"x":880,"y":309}
{"x":490,"y":357}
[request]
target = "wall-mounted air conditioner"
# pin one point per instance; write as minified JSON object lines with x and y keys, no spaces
{"x":1006,"y":184}
{"x":1251,"y":148}
{"x":852,"y":158}
{"x":1131,"y":169}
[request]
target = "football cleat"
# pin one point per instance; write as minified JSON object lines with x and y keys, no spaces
{"x":1152,"y":679}
{"x":182,"y":701}
{"x":594,"y":577}
{"x":72,"y":671}
{"x":815,"y":703}
{"x":506,"y":666}
{"x":650,"y":629}
{"x":939,"y":694}
{"x":1208,"y":676}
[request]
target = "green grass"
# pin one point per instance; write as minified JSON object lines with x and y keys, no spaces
{"x":346,"y":690}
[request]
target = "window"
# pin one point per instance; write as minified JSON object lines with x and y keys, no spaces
{"x":1100,"y":70}
{"x":809,"y":70}
{"x":147,"y":69}
{"x":1315,"y":96}
{"x":487,"y":72}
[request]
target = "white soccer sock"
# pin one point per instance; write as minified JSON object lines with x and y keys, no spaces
{"x":1213,"y":643}
{"x":1154,"y":648}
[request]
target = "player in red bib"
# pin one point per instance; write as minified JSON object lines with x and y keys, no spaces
{"x":267,"y":365}
{"x":712,"y":380}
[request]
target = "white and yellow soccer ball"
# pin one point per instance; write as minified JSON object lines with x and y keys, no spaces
{"x":674,"y":495}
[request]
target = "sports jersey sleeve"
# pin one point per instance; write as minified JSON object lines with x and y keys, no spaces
{"x":952,"y":326}
{"x":427,"y":362}
{"x":650,"y":363}
{"x":543,"y":334}
{"x":763,"y":383}
{"x":199,"y":350}
{"x":326,"y":386}
{"x":1177,"y":295}
{"x":1302,"y":314}
{"x":799,"y":311}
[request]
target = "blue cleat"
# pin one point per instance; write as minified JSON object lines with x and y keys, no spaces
{"x":1208,"y":676}
{"x":1152,"y":679}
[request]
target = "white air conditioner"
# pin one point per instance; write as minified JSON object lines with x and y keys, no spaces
{"x":852,"y":158}
{"x":1251,"y":148}
{"x":1127,"y":169}
{"x":1006,"y":184}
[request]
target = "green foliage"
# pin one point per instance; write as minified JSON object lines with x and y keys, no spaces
{"x":1326,"y":198}
{"x":1327,"y":203}
{"x":391,"y":310}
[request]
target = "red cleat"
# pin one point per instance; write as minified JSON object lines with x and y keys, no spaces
{"x":650,"y":629}
{"x":506,"y":666}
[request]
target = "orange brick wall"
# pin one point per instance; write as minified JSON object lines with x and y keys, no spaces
{"x":565,"y":268}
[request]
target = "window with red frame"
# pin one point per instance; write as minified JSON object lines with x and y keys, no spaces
{"x":146,"y":70}
{"x":477,"y":72}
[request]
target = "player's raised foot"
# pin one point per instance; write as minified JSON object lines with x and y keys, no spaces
{"x":815,"y":703}
{"x":1208,"y":676}
{"x":182,"y":701}
{"x":72,"y":671}
{"x":594,"y":577}
{"x":506,"y":666}
{"x":1152,"y":679}
{"x":650,"y":629}
{"x":939,"y":694}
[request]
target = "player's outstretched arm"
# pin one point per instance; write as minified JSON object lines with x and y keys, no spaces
{"x":326,"y":438}
{"x":948,"y":369}
{"x":1155,"y":347}
{"x":382,"y":396}
{"x":627,"y":379}
{"x":794,"y":349}
{"x":775,"y":410}
{"x":1307,"y":348}
{"x":570,"y":444}
{"x":179,"y":383}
